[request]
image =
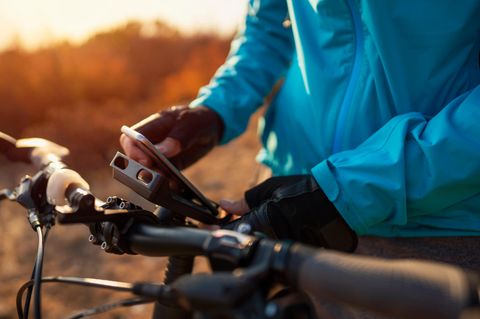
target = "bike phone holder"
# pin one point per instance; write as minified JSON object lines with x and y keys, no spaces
{"x":160,"y":190}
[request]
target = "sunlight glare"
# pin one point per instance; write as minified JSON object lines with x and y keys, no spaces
{"x":35,"y":23}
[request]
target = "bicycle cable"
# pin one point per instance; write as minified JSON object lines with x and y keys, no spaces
{"x":26,"y":307}
{"x":89,"y":282}
{"x":38,"y":274}
{"x":130,"y":302}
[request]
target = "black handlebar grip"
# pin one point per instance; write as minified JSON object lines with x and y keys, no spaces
{"x":150,"y":240}
{"x":399,"y":288}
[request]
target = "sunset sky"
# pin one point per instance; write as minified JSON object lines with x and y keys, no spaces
{"x":38,"y":22}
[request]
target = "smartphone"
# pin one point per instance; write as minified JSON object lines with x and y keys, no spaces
{"x":166,"y":167}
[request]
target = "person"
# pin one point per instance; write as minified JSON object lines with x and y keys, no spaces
{"x":375,"y":126}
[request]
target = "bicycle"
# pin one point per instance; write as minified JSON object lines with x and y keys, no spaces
{"x":405,"y":289}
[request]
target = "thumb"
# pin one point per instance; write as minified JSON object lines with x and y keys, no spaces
{"x":169,"y":147}
{"x":238,"y":207}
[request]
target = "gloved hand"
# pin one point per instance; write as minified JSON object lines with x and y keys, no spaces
{"x":181,"y":133}
{"x":295,"y":208}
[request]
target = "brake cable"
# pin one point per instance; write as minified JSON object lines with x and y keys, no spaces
{"x":89,"y":282}
{"x":129,"y":302}
{"x":36,"y":275}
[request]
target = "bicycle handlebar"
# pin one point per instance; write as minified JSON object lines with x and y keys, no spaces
{"x":162,"y":241}
{"x":400,"y":288}
{"x":42,"y":151}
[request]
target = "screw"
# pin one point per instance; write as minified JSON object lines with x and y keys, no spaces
{"x":244,"y":228}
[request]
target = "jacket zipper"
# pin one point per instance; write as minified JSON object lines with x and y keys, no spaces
{"x":347,"y":100}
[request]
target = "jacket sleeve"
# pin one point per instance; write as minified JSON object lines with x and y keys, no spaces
{"x":411,"y":167}
{"x":259,"y":56}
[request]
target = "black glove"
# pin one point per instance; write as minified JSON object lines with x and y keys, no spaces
{"x":295,"y":208}
{"x":198,"y":130}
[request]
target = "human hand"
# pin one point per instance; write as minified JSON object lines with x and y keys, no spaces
{"x":183,"y":134}
{"x":295,"y":208}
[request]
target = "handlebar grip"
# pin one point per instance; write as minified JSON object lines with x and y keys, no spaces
{"x":149,"y":240}
{"x":59,"y":182}
{"x":39,"y":152}
{"x":398,"y":288}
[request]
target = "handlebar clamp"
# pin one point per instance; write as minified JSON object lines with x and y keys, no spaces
{"x":110,"y":235}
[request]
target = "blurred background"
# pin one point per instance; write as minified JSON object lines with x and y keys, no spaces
{"x":74,"y":72}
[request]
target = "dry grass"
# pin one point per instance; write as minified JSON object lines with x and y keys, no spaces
{"x":225,"y":173}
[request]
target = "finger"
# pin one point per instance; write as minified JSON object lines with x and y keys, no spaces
{"x":169,"y":147}
{"x":157,"y":126}
{"x":239,"y":207}
{"x":134,"y":152}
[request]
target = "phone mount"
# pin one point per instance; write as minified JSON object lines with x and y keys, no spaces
{"x":161,"y":190}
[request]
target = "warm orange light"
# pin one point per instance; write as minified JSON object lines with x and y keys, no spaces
{"x":35,"y":22}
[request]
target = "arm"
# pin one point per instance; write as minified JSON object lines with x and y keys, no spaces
{"x":259,"y":56}
{"x":414,"y":173}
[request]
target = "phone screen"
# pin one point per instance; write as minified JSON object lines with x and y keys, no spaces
{"x":167,"y":167}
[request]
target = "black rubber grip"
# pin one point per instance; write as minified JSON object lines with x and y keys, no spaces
{"x":397,"y":288}
{"x":160,"y":241}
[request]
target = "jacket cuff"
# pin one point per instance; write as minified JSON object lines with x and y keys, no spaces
{"x":324,"y":174}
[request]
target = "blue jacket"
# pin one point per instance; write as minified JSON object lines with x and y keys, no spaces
{"x":380,"y":101}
